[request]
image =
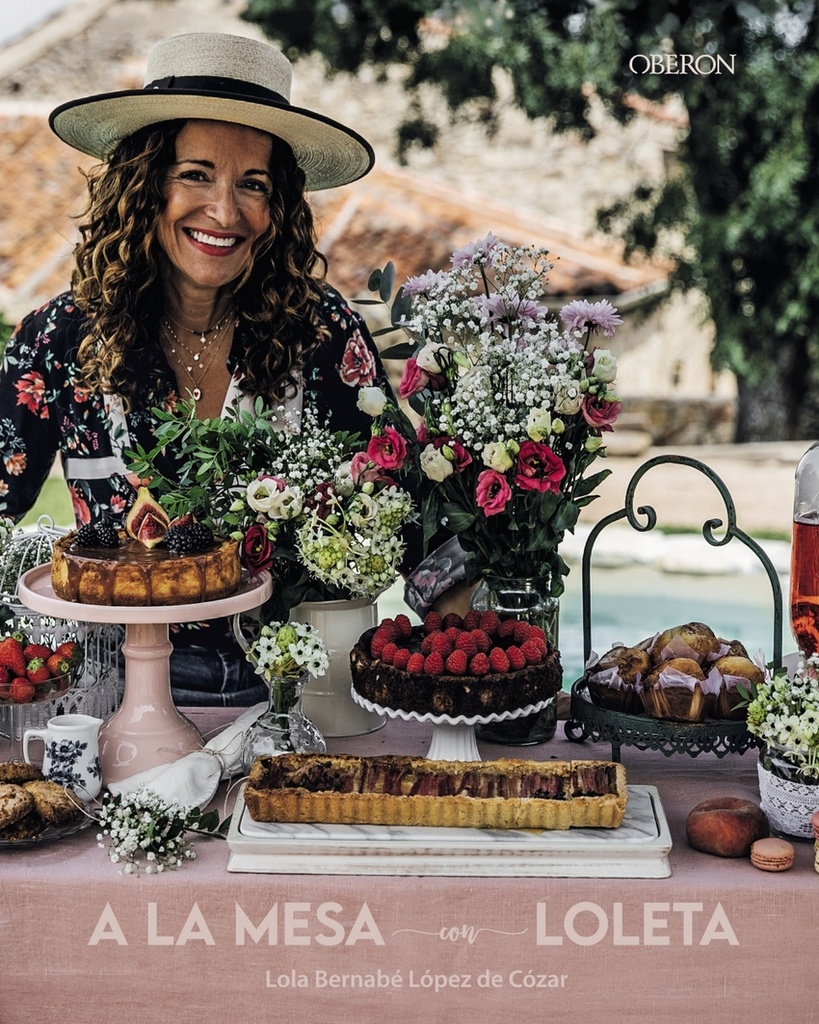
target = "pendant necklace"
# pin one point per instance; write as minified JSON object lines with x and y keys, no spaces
{"x":203,"y":334}
{"x":195,"y":360}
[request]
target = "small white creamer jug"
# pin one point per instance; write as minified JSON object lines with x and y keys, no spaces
{"x":72,"y":753}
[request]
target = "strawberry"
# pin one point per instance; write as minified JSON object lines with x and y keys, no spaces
{"x":21,"y":690}
{"x":466,"y":642}
{"x":472,"y":619}
{"x":433,"y":622}
{"x":452,"y":619}
{"x":31,"y":651}
{"x":531,"y":652}
{"x":517,"y":659}
{"x":70,"y":649}
{"x":388,"y":653}
{"x":416,"y":662}
{"x":506,"y":629}
{"x":404,"y":626}
{"x":11,"y":655}
{"x":457,"y":663}
{"x":482,"y":641}
{"x":479,"y":665}
{"x":5,"y":676}
{"x":499,"y":659}
{"x":434,"y":664}
{"x":5,"y":691}
{"x":37,"y":671}
{"x":58,"y":665}
{"x":490,"y":622}
{"x":401,"y":657}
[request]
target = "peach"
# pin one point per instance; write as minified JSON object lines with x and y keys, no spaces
{"x":726,"y":826}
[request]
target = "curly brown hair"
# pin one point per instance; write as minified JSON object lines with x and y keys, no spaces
{"x":116,"y":280}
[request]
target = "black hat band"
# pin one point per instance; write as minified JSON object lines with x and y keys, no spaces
{"x":212,"y":83}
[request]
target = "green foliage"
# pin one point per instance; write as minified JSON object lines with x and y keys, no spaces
{"x":740,"y":218}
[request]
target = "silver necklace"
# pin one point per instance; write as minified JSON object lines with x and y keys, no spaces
{"x":196,"y":361}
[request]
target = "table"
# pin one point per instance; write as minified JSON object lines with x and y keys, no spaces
{"x":718,"y":941}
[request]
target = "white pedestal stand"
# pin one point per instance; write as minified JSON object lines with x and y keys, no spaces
{"x":147,"y":729}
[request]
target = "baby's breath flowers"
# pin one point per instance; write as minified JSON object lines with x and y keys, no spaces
{"x":511,"y":404}
{"x":783,"y":711}
{"x":143,"y":832}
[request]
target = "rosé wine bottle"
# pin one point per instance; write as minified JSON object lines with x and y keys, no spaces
{"x":805,"y":554}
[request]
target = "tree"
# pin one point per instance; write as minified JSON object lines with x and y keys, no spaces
{"x":739,"y":217}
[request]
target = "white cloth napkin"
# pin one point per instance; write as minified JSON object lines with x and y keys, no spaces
{"x":193,"y":779}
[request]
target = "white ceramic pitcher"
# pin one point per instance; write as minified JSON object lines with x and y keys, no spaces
{"x":72,"y":753}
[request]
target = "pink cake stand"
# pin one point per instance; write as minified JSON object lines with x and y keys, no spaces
{"x":147,"y":729}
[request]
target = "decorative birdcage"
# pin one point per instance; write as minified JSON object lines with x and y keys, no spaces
{"x":96,"y":688}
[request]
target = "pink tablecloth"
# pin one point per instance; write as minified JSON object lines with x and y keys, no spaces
{"x":718,"y":941}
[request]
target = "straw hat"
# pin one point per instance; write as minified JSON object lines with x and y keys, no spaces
{"x":218,"y":77}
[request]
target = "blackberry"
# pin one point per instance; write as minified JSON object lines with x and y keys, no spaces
{"x":185,"y":540}
{"x":107,"y":535}
{"x":86,"y":536}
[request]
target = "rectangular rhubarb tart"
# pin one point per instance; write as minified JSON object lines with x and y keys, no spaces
{"x":394,"y":789}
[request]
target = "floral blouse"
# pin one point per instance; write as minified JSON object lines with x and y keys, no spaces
{"x":45,"y":408}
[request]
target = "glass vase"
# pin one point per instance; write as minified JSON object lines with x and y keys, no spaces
{"x":787,"y":796}
{"x":526,"y":598}
{"x":283,"y":728}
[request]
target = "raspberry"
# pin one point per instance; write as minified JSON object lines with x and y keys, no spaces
{"x":506,"y":628}
{"x":453,"y":632}
{"x":416,"y":662}
{"x":452,"y":619}
{"x":434,"y":664}
{"x":379,"y":638}
{"x":479,"y":665}
{"x":490,"y":622}
{"x":472,"y":619}
{"x":433,"y":622}
{"x":457,"y":663}
{"x":402,"y":657}
{"x":426,"y":644}
{"x":517,"y":659}
{"x":442,"y":643}
{"x":388,"y":653}
{"x":404,"y":626}
{"x":482,"y":641}
{"x":522,"y":632}
{"x":531,"y":652}
{"x":499,"y":660}
{"x":466,"y":642}
{"x":388,"y":625}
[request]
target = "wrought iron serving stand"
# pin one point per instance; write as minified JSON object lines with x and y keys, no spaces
{"x":587,"y":721}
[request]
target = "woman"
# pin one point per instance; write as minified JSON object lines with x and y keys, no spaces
{"x":196,"y":275}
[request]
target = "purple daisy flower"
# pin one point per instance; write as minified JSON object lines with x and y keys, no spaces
{"x":496,"y":309}
{"x":581,"y":315}
{"x":425,"y":283}
{"x":475,"y":252}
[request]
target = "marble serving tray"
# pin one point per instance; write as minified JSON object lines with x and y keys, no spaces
{"x":638,"y":849}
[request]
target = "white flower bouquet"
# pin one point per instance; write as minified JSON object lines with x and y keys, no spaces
{"x":783,"y":711}
{"x":510,"y":406}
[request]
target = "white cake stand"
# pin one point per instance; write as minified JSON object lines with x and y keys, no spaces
{"x":453,"y":738}
{"x":147,"y":729}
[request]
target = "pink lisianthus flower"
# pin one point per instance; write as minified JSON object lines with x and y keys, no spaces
{"x":425,"y":283}
{"x":388,"y":449}
{"x":257,"y":550}
{"x":363,"y":470}
{"x":600,"y":412}
{"x":538,"y":468}
{"x":461,"y":457}
{"x":413,"y":379}
{"x":499,"y":309}
{"x":582,"y":314}
{"x":475,"y":252}
{"x":492,"y":492}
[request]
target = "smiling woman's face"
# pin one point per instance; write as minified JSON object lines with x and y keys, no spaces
{"x":217,"y":203}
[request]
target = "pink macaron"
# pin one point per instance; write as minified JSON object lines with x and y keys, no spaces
{"x":772,"y":854}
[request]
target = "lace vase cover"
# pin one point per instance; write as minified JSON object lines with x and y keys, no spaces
{"x":788,"y":805}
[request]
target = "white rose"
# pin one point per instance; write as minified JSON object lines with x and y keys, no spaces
{"x":427,"y":358}
{"x":434,"y":464}
{"x":496,"y":456}
{"x":371,"y":401}
{"x":567,"y":400}
{"x":605,"y":365}
{"x":539,"y":424}
{"x":343,"y":479}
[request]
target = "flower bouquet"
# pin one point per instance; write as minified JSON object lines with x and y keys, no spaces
{"x":508,"y":407}
{"x":285,"y":654}
{"x":783,"y":712}
{"x":294,"y":494}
